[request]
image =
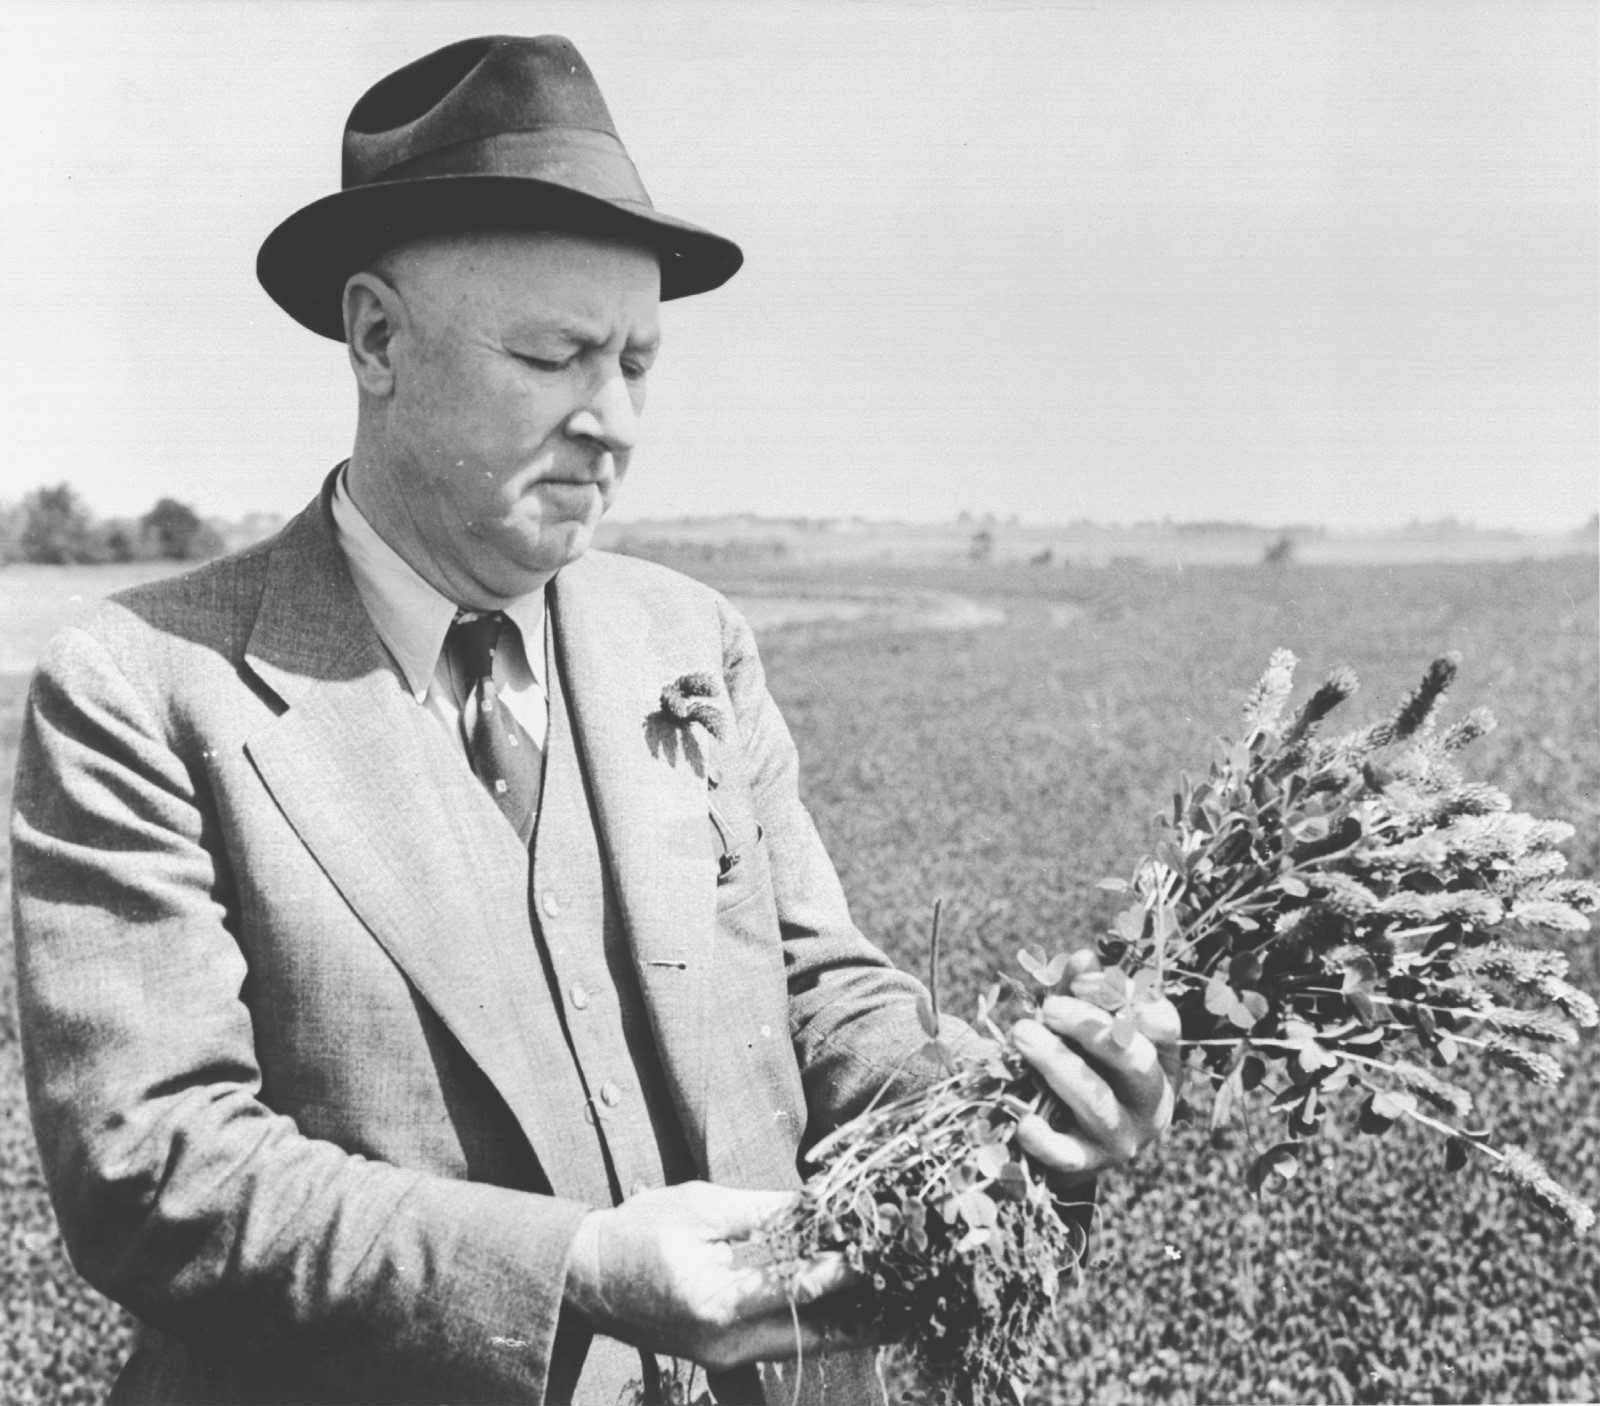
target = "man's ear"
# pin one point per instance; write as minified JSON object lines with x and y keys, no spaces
{"x":373,"y":313}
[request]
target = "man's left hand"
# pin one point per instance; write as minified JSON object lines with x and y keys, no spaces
{"x":1119,"y":1096}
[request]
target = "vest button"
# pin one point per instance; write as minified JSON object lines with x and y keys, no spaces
{"x":549,"y":903}
{"x":580,"y":995}
{"x":610,"y":1095}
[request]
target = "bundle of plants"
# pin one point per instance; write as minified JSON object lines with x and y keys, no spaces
{"x":1344,"y":925}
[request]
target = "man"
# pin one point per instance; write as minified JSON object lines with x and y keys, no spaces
{"x":416,"y":1007}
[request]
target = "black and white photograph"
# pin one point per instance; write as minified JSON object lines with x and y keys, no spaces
{"x":800,"y":702}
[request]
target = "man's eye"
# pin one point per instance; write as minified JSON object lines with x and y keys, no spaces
{"x":635,"y":370}
{"x":540,"y":363}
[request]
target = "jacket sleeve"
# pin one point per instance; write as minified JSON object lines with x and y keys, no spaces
{"x":179,"y":1193}
{"x":852,"y":1013}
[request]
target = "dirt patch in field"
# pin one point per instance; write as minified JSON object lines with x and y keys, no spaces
{"x":923,"y":610}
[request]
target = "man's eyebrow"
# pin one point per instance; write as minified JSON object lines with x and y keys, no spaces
{"x":583,"y":334}
{"x":572,"y":329}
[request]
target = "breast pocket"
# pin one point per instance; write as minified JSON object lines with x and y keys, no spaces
{"x":736,"y":854}
{"x":735,"y":840}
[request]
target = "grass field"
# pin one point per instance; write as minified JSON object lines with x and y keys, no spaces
{"x":1007,"y":757}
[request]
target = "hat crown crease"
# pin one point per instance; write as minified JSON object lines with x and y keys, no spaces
{"x":471,"y":90}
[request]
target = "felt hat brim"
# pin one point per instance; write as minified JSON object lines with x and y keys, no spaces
{"x":306,"y":261}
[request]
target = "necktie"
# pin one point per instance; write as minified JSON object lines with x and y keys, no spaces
{"x":504,"y":757}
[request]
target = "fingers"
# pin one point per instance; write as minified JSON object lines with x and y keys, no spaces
{"x":775,"y":1338}
{"x":767,"y":1288}
{"x":826,"y":1274}
{"x":1118,"y":1095}
{"x":1134,"y":1070}
{"x":1070,"y":1156}
{"x":730,"y":1214}
{"x":1091,"y":1100}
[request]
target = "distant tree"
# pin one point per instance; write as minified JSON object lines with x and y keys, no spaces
{"x":10,"y":533}
{"x":981,"y":547}
{"x":126,"y":540}
{"x":175,"y":531}
{"x":57,"y":529}
{"x":172,"y":526}
{"x":1279,"y":553}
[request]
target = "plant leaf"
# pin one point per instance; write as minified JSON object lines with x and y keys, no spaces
{"x":1219,"y":996}
{"x":1012,"y":1182}
{"x":1395,"y":1104}
{"x":1313,"y":827}
{"x":1106,"y":989}
{"x":1312,"y":1057}
{"x":1113,"y":885}
{"x":1246,"y":1009}
{"x":977,"y":1208}
{"x":925,"y":1018}
{"x":1360,"y":974}
{"x":1303,"y":1121}
{"x":939,"y":1052}
{"x":1251,"y":1072}
{"x":1337,"y":1079}
{"x":1281,"y":1161}
{"x":1229,"y":1094}
{"x":1032,"y":960}
{"x":978,"y":1235}
{"x":1363,"y":1007}
{"x":991,"y":1157}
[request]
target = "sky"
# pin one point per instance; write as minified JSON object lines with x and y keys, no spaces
{"x":1278,"y":260}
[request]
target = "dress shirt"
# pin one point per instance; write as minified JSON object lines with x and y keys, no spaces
{"x":412,"y":619}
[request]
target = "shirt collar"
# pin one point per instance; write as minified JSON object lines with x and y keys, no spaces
{"x":527,"y":614}
{"x":411,"y":617}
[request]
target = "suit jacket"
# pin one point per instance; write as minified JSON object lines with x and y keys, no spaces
{"x":299,"y":1082}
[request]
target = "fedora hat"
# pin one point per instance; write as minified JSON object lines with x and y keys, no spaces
{"x":498,"y":132}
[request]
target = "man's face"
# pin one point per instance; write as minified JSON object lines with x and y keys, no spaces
{"x":519,"y":378}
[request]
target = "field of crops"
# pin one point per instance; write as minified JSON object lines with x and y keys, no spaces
{"x":1007,"y":758}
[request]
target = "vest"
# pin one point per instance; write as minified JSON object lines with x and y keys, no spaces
{"x":583,"y":946}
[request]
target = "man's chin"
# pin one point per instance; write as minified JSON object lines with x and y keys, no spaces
{"x":559,"y":545}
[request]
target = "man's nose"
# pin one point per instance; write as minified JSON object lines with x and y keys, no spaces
{"x":610,"y":417}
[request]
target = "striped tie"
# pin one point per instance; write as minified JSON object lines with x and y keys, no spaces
{"x":504,"y":757}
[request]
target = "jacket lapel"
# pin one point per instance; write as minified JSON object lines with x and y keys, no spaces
{"x":651,"y":812}
{"x":372,"y":785}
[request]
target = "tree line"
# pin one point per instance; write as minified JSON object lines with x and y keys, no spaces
{"x":54,"y":527}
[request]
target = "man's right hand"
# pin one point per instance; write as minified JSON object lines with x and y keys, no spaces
{"x":666,"y":1271}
